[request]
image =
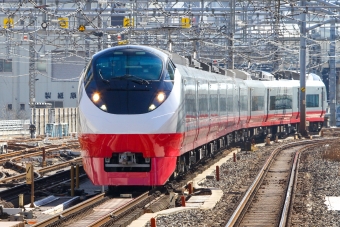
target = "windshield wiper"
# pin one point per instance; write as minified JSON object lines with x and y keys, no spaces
{"x":104,"y":80}
{"x":134,"y":78}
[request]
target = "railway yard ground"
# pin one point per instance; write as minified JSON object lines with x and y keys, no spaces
{"x":245,"y":179}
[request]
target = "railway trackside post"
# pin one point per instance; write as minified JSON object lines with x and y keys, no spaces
{"x":43,"y":164}
{"x":217,"y":173}
{"x":21,"y":200}
{"x":72,"y":180}
{"x":153,"y":222}
{"x":190,"y":188}
{"x":234,"y":157}
{"x":77,"y":176}
{"x":183,"y":200}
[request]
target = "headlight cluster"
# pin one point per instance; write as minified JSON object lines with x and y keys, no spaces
{"x":158,"y":100}
{"x":97,"y":100}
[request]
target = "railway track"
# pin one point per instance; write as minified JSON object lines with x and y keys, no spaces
{"x":106,"y":211}
{"x":45,"y":183}
{"x":267,"y":201}
{"x":34,"y":151}
{"x":42,"y":171}
{"x":100,"y":210}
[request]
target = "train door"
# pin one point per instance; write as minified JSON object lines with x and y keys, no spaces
{"x":239,"y":106}
{"x":298,"y":103}
{"x":322,"y":102}
{"x":267,"y":106}
{"x":190,"y":99}
{"x":203,"y":111}
{"x":230,"y":107}
{"x":249,"y":107}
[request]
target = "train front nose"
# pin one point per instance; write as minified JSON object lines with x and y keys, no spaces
{"x":124,"y":89}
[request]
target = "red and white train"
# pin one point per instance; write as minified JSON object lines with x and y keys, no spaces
{"x":145,"y":115}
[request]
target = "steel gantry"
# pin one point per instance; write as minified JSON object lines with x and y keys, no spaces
{"x":236,"y":34}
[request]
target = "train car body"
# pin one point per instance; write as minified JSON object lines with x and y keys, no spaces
{"x":144,"y":118}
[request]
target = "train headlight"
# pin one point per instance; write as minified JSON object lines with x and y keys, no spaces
{"x":152,"y":107}
{"x":95,"y":97}
{"x":98,"y":101}
{"x":158,"y":100}
{"x":103,"y":107}
{"x":160,"y":97}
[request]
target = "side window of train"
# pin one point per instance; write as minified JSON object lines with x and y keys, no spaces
{"x":312,"y":100}
{"x":257,"y":103}
{"x":170,"y":73}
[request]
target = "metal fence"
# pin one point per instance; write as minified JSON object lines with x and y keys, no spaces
{"x":14,"y":127}
{"x":55,"y":122}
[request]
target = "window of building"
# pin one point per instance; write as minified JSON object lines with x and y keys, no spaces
{"x":22,"y":106}
{"x":56,"y":104}
{"x":9,"y":107}
{"x":312,"y":100}
{"x":5,"y":65}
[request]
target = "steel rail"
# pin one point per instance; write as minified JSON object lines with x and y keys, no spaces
{"x":42,"y":170}
{"x":240,"y":208}
{"x":71,"y":210}
{"x":287,"y":203}
{"x":120,"y":211}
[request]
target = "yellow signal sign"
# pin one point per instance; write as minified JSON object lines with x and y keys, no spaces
{"x":123,"y":42}
{"x":303,"y":89}
{"x":63,"y":22}
{"x":29,"y":173}
{"x":81,"y":28}
{"x":8,"y":22}
{"x":127,"y":22}
{"x":186,"y":22}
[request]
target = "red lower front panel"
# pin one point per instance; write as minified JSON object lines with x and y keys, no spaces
{"x":161,"y":170}
{"x":151,"y":145}
{"x":163,"y":150}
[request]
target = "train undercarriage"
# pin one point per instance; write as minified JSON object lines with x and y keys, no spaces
{"x":238,"y":138}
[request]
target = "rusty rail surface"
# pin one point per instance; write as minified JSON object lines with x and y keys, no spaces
{"x":88,"y":203}
{"x":245,"y":202}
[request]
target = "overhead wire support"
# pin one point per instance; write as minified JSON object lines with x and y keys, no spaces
{"x":302,"y":128}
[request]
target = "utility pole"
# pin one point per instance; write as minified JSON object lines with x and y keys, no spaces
{"x":332,"y":75}
{"x":276,"y":35}
{"x":302,"y":128}
{"x":99,"y":26}
{"x":231,"y":35}
{"x":32,"y":77}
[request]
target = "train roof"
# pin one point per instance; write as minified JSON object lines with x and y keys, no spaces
{"x":141,"y":47}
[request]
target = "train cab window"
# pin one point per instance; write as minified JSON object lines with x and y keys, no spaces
{"x":312,"y":100}
{"x":88,"y":74}
{"x":170,"y":72}
{"x":128,"y":64}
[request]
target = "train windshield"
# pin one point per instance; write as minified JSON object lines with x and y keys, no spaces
{"x":128,"y":63}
